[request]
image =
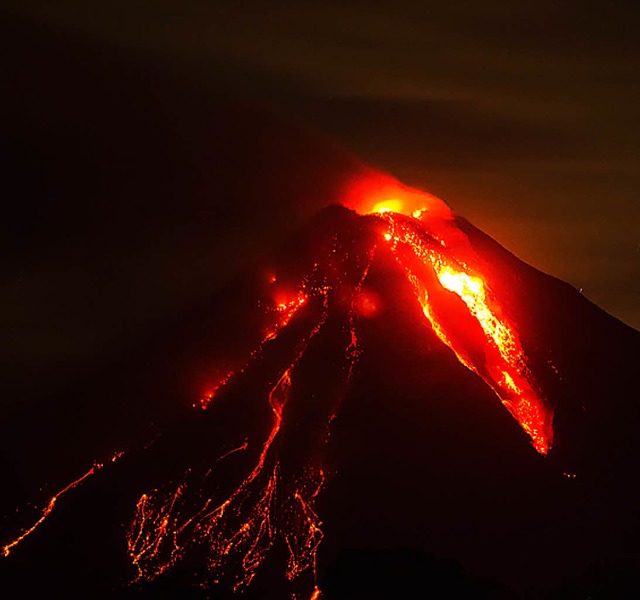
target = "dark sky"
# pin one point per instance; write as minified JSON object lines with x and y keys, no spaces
{"x":522,"y":116}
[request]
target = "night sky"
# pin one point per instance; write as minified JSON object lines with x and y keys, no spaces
{"x":523,"y":118}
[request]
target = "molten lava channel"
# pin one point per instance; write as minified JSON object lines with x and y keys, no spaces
{"x":435,"y":256}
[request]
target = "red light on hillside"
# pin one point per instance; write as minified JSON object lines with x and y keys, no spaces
{"x":367,"y":304}
{"x":378,"y":193}
{"x":391,"y":205}
{"x":435,"y":255}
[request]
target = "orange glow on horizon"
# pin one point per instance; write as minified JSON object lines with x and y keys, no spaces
{"x":380,"y":193}
{"x":391,"y":205}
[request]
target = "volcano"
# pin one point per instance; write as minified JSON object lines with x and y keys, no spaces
{"x":389,"y":398}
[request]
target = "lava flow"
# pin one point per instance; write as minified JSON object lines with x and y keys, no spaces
{"x":51,"y":503}
{"x":275,"y":497}
{"x":284,"y":311}
{"x":435,"y":258}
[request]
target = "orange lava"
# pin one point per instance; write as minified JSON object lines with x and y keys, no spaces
{"x":51,"y":503}
{"x":284,"y":310}
{"x":237,"y":530}
{"x":436,"y":256}
{"x":6,"y":550}
{"x":316,"y":594}
{"x":381,"y":193}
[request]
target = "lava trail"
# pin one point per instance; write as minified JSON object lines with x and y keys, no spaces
{"x":51,"y":503}
{"x":440,"y":263}
{"x":283,"y":465}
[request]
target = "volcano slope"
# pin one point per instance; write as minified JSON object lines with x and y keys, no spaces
{"x":383,"y":387}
